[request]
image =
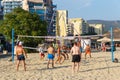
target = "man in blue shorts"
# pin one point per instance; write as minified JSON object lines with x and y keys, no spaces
{"x":51,"y":55}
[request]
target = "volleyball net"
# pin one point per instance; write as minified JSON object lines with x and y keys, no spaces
{"x":45,"y":40}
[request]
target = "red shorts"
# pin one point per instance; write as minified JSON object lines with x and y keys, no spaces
{"x":41,"y":54}
{"x":87,"y":51}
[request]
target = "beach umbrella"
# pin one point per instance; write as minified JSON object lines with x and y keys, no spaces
{"x":104,"y":39}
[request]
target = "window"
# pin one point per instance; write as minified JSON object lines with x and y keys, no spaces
{"x":32,"y":10}
{"x":40,"y":11}
{"x":42,"y":17}
{"x":31,"y":5}
{"x":38,"y":4}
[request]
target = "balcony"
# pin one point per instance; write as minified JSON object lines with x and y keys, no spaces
{"x":38,"y":7}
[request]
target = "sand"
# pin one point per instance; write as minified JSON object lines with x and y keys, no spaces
{"x":99,"y":67}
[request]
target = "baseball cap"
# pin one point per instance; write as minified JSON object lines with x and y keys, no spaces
{"x":20,"y":43}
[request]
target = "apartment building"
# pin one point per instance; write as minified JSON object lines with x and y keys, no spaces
{"x":9,"y":5}
{"x":61,"y":22}
{"x":44,"y":8}
{"x":98,"y":28}
{"x":70,"y":29}
{"x":1,"y":11}
{"x":79,"y":26}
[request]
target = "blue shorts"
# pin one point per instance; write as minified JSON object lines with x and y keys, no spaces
{"x":50,"y":56}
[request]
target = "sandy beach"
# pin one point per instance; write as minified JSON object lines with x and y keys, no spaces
{"x":99,"y":67}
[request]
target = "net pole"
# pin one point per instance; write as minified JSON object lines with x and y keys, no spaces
{"x":112,"y":53}
{"x":13,"y":45}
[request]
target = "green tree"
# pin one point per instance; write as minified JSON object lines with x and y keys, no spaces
{"x":24,"y":23}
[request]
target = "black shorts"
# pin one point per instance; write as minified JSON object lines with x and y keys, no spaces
{"x":21,"y":57}
{"x":76,"y":58}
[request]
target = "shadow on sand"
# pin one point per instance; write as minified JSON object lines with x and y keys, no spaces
{"x":103,"y":68}
{"x":58,"y":67}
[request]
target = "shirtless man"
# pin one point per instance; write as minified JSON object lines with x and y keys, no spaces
{"x":51,"y":55}
{"x":76,"y":57}
{"x":20,"y":54}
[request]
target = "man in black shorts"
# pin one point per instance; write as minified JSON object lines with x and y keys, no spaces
{"x":76,"y":57}
{"x":20,"y":54}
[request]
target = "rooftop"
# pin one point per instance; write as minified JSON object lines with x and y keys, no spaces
{"x":36,"y":1}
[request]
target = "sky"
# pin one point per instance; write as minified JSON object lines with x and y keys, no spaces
{"x":90,"y":9}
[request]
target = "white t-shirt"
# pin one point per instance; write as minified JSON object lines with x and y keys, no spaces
{"x":41,"y":50}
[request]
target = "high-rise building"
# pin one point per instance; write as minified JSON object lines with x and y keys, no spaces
{"x":44,"y":8}
{"x":1,"y":11}
{"x":98,"y":28}
{"x":51,"y":17}
{"x":9,"y":5}
{"x":79,"y":26}
{"x":61,"y":22}
{"x":70,"y":29}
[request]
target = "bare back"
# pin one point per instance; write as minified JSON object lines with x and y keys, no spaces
{"x":75,"y":50}
{"x":50,"y":50}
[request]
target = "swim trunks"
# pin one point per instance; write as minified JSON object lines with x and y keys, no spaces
{"x":50,"y":56}
{"x":21,"y":57}
{"x":87,"y":51}
{"x":42,"y":54}
{"x":76,"y":58}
